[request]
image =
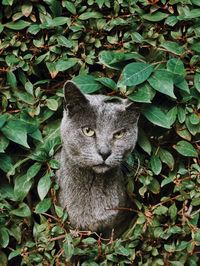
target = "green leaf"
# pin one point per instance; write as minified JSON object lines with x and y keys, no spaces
{"x":162,"y":81}
{"x":160,"y":210}
{"x":70,"y":7}
{"x":63,"y":41}
{"x":55,"y":22}
{"x":194,"y":119}
{"x":107,"y":82}
{"x":87,"y":83}
{"x":100,"y":3}
{"x":89,"y":241}
{"x":54,"y":164}
{"x":13,"y":254}
{"x":114,"y":60}
{"x":194,"y":13}
{"x":11,"y":79}
{"x":18,"y":25}
{"x":33,"y":29}
{"x":186,"y":149}
{"x":65,"y":64}
{"x":50,"y":144}
{"x":167,"y":181}
{"x":173,"y":47}
{"x":27,"y":9}
{"x":44,"y":185}
{"x":195,"y":47}
{"x":171,"y":248}
{"x":143,"y":93}
{"x":59,"y":211}
{"x":154,"y":186}
{"x":33,"y":170}
{"x":183,"y":85}
{"x":156,"y":165}
{"x":176,"y":67}
{"x":52,"y":104}
{"x":4,"y":237}
{"x":195,"y":202}
{"x":182,"y":131}
{"x":29,"y":87}
{"x":172,"y":115}
{"x":43,"y":206}
{"x":1,"y":27}
{"x":157,"y":16}
{"x":52,"y":69}
{"x":68,"y":247}
{"x":141,"y":218}
{"x":134,"y":74}
{"x":196,"y":235}
{"x":197,"y":81}
{"x":174,"y":262}
{"x":22,"y":211}
{"x":171,"y":21}
{"x":5,"y":162}
{"x":88,"y":15}
{"x":89,"y":263}
{"x":173,"y":212}
{"x":195,"y":2}
{"x":156,"y":116}
{"x":181,"y":114}
{"x":22,"y":186}
{"x":137,"y":37}
{"x":166,"y":157}
{"x":120,"y":250}
{"x":174,"y":230}
{"x":193,"y":128}
{"x":23,"y":183}
{"x":4,"y":142}
{"x":182,"y":245}
{"x":12,"y":60}
{"x":144,"y":142}
{"x":16,"y":131}
{"x":3,"y":119}
{"x":36,"y":135}
{"x":16,"y":232}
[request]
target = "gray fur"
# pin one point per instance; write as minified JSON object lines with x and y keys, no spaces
{"x":90,"y":191}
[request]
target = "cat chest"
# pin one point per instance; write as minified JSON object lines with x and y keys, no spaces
{"x":94,"y":207}
{"x":95,"y":199}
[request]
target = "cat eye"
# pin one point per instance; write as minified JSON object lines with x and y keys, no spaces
{"x":119,"y":134}
{"x":88,"y":131}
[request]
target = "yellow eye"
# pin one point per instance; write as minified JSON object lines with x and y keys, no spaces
{"x":119,"y":134}
{"x":88,"y":131}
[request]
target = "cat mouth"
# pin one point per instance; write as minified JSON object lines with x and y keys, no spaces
{"x":101,"y":168}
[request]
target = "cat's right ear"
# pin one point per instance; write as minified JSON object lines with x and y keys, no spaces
{"x":74,"y":99}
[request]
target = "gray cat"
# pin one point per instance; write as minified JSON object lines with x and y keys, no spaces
{"x":98,"y":134}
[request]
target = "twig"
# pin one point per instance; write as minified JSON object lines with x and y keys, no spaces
{"x":57,"y":238}
{"x":51,"y":216}
{"x":122,"y":209}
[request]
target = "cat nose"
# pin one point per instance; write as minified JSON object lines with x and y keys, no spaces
{"x":104,"y":152}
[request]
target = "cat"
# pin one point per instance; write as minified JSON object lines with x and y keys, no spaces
{"x":98,"y":133}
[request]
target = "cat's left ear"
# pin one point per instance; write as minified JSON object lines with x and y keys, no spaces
{"x":133,"y":108}
{"x":74,"y":99}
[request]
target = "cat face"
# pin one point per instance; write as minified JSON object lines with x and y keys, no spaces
{"x":97,"y":133}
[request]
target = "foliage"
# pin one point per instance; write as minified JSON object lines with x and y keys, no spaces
{"x":147,"y":51}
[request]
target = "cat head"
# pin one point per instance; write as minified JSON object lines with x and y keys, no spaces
{"x":98,"y":132}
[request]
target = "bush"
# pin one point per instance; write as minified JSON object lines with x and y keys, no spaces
{"x":147,"y":51}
